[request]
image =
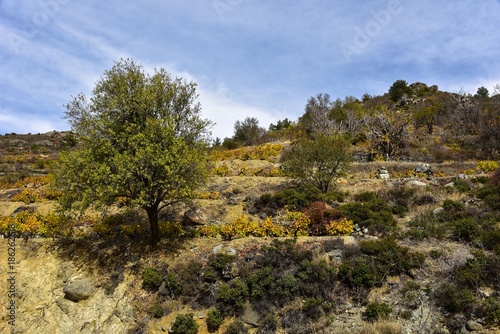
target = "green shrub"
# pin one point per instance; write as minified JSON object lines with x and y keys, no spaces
{"x":236,"y":327}
{"x":269,"y":324}
{"x":426,"y":226}
{"x":297,"y":198}
{"x":173,"y":285}
{"x":490,"y":194}
{"x":461,"y":185}
{"x":357,"y":272}
{"x":391,"y":258}
{"x":454,"y":299}
{"x":451,"y":206}
{"x":220,"y":261}
{"x":151,"y":279}
{"x":465,"y":229}
{"x":371,"y":212}
{"x":375,"y":311}
{"x":156,"y":310}
{"x":184,"y":324}
{"x":312,"y":308}
{"x":491,"y":308}
{"x":214,"y":320}
{"x":233,"y":295}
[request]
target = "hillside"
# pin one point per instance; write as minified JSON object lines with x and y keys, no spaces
{"x":421,"y":257}
{"x":371,"y":215}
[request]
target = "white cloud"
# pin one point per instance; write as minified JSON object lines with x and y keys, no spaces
{"x":24,"y":124}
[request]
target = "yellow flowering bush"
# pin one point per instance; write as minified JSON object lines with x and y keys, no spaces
{"x":487,"y":166}
{"x":340,"y":227}
{"x":297,"y":223}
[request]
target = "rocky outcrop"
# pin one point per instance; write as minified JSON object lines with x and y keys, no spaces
{"x":78,"y":290}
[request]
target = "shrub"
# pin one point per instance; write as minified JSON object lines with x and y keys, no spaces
{"x":390,"y":258}
{"x":376,"y":310}
{"x":214,"y":320}
{"x":461,"y":185}
{"x":426,"y":226}
{"x":491,"y":308}
{"x":151,"y":279}
{"x":465,"y":229}
{"x":155,"y":310}
{"x":451,"y":206}
{"x":490,"y":194}
{"x":233,"y":295}
{"x":221,"y":261}
{"x":454,"y":299}
{"x":269,"y":324}
{"x":297,"y":198}
{"x":184,"y":324}
{"x":487,"y":166}
{"x":357,"y":272}
{"x":236,"y":327}
{"x":340,"y":227}
{"x":371,"y":212}
{"x":312,"y":308}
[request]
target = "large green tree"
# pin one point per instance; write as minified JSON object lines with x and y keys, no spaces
{"x":317,"y":161}
{"x":141,"y":141}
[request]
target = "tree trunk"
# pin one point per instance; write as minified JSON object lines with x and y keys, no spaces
{"x":153,"y":224}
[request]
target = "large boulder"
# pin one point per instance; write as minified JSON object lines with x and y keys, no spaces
{"x":78,"y":290}
{"x":196,"y":216}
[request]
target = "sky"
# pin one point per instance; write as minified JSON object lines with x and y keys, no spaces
{"x":249,"y":58}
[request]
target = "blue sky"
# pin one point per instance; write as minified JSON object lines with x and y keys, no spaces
{"x":253,"y":58}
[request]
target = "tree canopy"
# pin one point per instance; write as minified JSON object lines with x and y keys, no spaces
{"x":317,"y":161}
{"x":141,"y":141}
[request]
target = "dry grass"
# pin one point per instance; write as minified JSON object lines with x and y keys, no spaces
{"x":381,"y":327}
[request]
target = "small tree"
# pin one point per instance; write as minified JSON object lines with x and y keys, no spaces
{"x":141,"y":142}
{"x":398,"y":89}
{"x":318,"y":160}
{"x":248,"y":132}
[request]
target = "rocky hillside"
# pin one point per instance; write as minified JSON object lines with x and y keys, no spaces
{"x":422,"y":255}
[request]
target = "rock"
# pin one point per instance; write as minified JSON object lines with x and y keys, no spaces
{"x":416,"y":183}
{"x":423,"y":168}
{"x":231,"y":251}
{"x":78,"y":290}
{"x":196,"y":216}
{"x":162,"y":290}
{"x":335,"y":255}
{"x":217,"y":249}
{"x":64,"y":305}
{"x":250,"y":316}
{"x":384,"y":176}
{"x":449,"y":185}
{"x":473,"y":326}
{"x":437,"y":211}
{"x":383,"y":173}
{"x":65,"y":271}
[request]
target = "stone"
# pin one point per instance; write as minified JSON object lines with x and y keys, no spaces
{"x":162,"y":290}
{"x":231,"y":251}
{"x":196,"y":216}
{"x":217,"y":249}
{"x":423,"y":168}
{"x":449,"y":185}
{"x":438,"y":211}
{"x":250,"y":316}
{"x":473,"y":326}
{"x":79,"y":290}
{"x":335,"y":255}
{"x":65,"y":271}
{"x":415,"y":183}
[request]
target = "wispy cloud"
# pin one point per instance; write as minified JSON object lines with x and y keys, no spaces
{"x":268,"y":57}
